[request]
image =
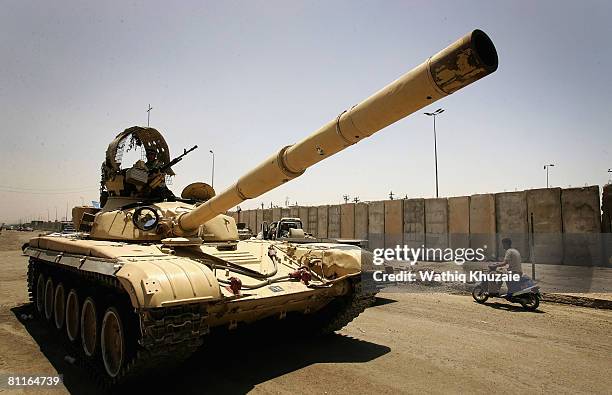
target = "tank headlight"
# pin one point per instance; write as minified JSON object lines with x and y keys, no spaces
{"x":145,"y":218}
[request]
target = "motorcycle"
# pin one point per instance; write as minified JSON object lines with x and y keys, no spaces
{"x":528,"y":293}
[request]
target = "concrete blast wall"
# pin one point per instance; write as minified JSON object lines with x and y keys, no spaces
{"x":347,"y":221}
{"x":333,"y":222}
{"x":566,"y":224}
{"x":285,"y":212}
{"x":544,"y":216}
{"x":606,"y":207}
{"x":376,"y":225}
{"x":312,"y":221}
{"x":414,"y":222}
{"x":294,"y":212}
{"x":361,"y":221}
{"x":581,"y":226}
{"x":49,"y":226}
{"x":259,"y":220}
{"x":276,"y":214}
{"x":606,"y":225}
{"x":511,"y":218}
{"x":482,"y":224}
{"x":322,"y":222}
{"x":303,"y":214}
{"x":394,"y":223}
{"x":267,"y":215}
{"x":436,"y":223}
{"x":253,"y":220}
{"x":459,"y":222}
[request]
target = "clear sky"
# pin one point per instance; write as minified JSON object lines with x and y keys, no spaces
{"x":245,"y":78}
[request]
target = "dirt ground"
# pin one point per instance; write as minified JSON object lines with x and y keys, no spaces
{"x":406,"y":343}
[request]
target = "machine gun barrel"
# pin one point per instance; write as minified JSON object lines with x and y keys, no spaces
{"x":460,"y":64}
{"x":174,"y":161}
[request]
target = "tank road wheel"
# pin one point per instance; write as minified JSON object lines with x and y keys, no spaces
{"x":49,"y":299}
{"x":72,"y":315}
{"x":59,"y":306}
{"x":112,"y":342}
{"x":39,"y":297}
{"x":89,"y":327}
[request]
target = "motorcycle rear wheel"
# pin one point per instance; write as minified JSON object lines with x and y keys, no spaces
{"x":479,"y":294}
{"x":530,"y":301}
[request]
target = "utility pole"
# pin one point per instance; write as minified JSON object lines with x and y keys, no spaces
{"x":356,"y":199}
{"x":346,"y":198}
{"x":546,"y":167}
{"x":212,"y":178}
{"x":434,"y":114}
{"x":391,"y":195}
{"x":149,"y":114}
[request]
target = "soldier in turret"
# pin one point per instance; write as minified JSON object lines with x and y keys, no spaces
{"x":157,"y":180}
{"x":152,"y":161}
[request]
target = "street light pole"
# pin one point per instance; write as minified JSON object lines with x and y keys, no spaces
{"x":434,"y":114}
{"x":546,"y":167}
{"x":212,"y":179}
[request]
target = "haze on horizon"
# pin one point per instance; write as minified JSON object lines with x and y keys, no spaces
{"x":246,"y":78}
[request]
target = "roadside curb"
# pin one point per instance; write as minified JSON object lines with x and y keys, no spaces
{"x":583,"y":301}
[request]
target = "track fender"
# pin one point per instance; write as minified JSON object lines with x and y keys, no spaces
{"x":168,"y":281}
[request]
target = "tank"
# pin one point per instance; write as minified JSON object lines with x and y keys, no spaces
{"x":149,"y":275}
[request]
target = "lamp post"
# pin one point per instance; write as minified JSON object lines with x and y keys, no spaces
{"x":212,"y":179}
{"x":546,"y":167}
{"x":434,"y":114}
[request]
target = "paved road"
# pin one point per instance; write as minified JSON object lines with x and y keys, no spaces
{"x":407,"y":343}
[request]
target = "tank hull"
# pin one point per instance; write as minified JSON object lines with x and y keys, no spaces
{"x":169,"y":298}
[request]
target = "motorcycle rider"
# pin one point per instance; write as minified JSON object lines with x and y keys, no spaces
{"x":512,"y":259}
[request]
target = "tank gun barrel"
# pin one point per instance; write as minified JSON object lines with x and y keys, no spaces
{"x":465,"y":61}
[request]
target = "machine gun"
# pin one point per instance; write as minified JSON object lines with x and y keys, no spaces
{"x":163,"y":168}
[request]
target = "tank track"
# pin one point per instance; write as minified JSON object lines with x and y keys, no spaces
{"x":341,"y":311}
{"x":155,"y":339}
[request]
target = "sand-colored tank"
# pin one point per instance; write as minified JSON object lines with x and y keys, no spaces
{"x":149,"y":275}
